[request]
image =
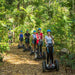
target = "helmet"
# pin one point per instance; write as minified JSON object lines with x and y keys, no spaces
{"x":48,"y":30}
{"x":21,"y":31}
{"x":39,"y":28}
{"x":27,"y":30}
{"x":34,"y":31}
{"x":10,"y":29}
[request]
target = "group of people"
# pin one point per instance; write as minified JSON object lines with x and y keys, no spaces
{"x":37,"y":42}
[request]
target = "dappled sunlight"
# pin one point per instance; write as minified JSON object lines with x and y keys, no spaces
{"x":16,"y":59}
{"x":15,"y":44}
{"x":18,"y":62}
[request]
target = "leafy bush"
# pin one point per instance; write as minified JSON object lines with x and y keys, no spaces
{"x":1,"y":58}
{"x":4,"y":47}
{"x":68,"y":60}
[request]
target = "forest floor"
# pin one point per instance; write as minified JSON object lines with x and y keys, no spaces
{"x":17,"y":62}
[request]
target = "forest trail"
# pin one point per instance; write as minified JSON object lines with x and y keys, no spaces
{"x":17,"y":62}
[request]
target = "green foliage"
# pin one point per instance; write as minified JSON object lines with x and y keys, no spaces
{"x":31,"y":14}
{"x":1,"y":58}
{"x":4,"y":47}
{"x":68,"y":60}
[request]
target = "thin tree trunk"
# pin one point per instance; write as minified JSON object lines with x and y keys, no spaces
{"x":13,"y":33}
{"x":18,"y":5}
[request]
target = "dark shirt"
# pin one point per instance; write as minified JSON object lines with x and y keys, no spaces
{"x":27,"y":35}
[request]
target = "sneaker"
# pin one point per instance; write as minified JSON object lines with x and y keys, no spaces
{"x":47,"y":65}
{"x":32,"y":53}
{"x":53,"y":65}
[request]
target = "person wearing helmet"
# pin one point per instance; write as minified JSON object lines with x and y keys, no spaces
{"x":39,"y":41}
{"x":10,"y":36}
{"x":21,"y":37}
{"x":49,"y":41}
{"x":34,"y":39}
{"x":33,"y":42}
{"x":27,"y":38}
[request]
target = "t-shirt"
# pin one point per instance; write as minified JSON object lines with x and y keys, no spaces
{"x":27,"y":35}
{"x":34,"y":36}
{"x":21,"y":35}
{"x":9,"y":33}
{"x":39,"y":37}
{"x":48,"y":40}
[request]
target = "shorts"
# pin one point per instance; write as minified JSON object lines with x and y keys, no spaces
{"x":10,"y":37}
{"x":40,"y":43}
{"x":34,"y":41}
{"x":27,"y":41}
{"x":21,"y":39}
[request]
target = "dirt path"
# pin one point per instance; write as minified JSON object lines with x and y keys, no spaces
{"x":17,"y":62}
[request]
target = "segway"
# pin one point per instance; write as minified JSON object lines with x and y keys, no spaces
{"x":38,"y":54}
{"x":20,"y":46}
{"x":50,"y":67}
{"x":55,"y":66}
{"x":28,"y":48}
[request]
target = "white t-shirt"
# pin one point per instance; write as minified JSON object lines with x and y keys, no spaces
{"x":34,"y":36}
{"x":48,"y":40}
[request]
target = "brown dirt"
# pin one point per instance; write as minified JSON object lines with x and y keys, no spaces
{"x":17,"y":62}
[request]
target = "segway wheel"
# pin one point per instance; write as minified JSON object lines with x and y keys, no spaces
{"x":44,"y":66}
{"x":56,"y":65}
{"x":29,"y":48}
{"x":24,"y":49}
{"x":44,"y":55}
{"x":23,"y":46}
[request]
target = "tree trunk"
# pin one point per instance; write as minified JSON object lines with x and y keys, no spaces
{"x":13,"y":33}
{"x":18,"y":5}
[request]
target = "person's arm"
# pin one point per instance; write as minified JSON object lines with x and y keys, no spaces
{"x":25,"y":35}
{"x":32,"y":36}
{"x":52,"y":39}
{"x":42,"y":36}
{"x":45,"y":41}
{"x":29,"y":35}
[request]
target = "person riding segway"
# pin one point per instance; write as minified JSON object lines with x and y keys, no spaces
{"x":27,"y":41}
{"x":39,"y":42}
{"x":33,"y":42}
{"x":49,"y":48}
{"x":21,"y":45}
